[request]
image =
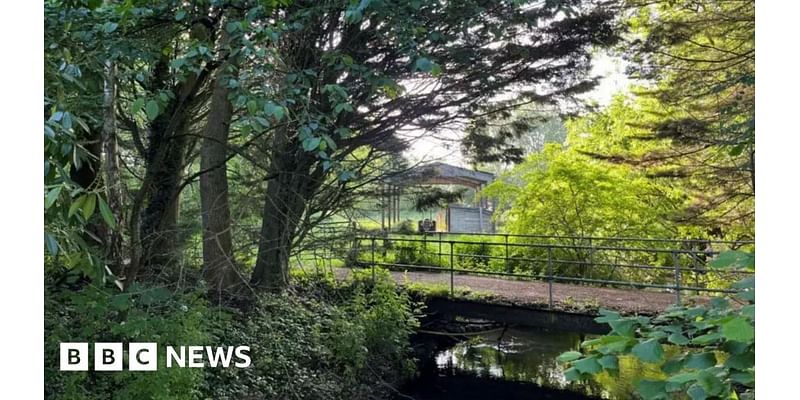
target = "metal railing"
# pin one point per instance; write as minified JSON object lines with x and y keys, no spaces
{"x":678,"y":266}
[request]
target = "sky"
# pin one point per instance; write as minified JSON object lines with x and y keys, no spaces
{"x":613,"y":80}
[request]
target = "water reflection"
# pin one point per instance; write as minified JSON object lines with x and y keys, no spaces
{"x":518,"y":363}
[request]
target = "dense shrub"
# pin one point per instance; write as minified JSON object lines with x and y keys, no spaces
{"x":715,"y":342}
{"x":320,"y":341}
{"x":145,"y":314}
{"x":328,"y":341}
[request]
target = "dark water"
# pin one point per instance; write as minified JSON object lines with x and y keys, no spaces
{"x":513,"y":363}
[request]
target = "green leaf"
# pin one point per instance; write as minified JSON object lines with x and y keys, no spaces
{"x":180,"y":15}
{"x":609,"y":362}
{"x":749,"y":311}
{"x":76,"y":204}
{"x":710,"y":383}
{"x":436,"y":70}
{"x":572,"y":374}
{"x":697,"y":393}
{"x":342,"y":107}
{"x":88,"y":206}
{"x":738,"y":329}
{"x":741,"y":361}
{"x":106,"y":213}
{"x":748,"y":295}
{"x":673,"y":365}
{"x":614,"y":344}
{"x":109,"y":27}
{"x":569,"y":356}
{"x":648,"y":351}
{"x":734,"y":259}
{"x":274,"y":110}
{"x":311,"y":143}
{"x":137,"y":106}
{"x":746,"y":283}
{"x":151,"y":109}
{"x":746,"y":378}
{"x":66,"y":121}
{"x":233,"y":26}
{"x":701,"y":361}
{"x":607,"y":316}
{"x":423,"y":64}
{"x":587,"y":366}
{"x":51,"y":197}
{"x":651,"y":389}
{"x":677,"y":338}
{"x":707,"y":338}
{"x":624,"y":327}
{"x":120,"y":302}
{"x":352,"y":15}
{"x":52,"y":244}
{"x":683,"y":378}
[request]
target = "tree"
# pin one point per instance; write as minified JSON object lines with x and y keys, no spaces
{"x":561,"y":192}
{"x":218,"y":260}
{"x":698,"y":61}
{"x":348,"y":76}
{"x":76,"y":128}
{"x":323,"y":93}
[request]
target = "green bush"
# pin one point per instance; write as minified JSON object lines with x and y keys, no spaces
{"x":716,"y":342}
{"x":325,"y":340}
{"x":145,"y":314}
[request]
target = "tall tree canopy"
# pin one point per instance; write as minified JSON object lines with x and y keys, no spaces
{"x":697,"y":59}
{"x":308,"y":95}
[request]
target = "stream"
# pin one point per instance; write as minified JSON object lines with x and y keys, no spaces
{"x":512,"y":363}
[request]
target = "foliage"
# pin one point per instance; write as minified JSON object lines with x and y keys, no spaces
{"x":620,"y":137}
{"x":331,"y":340}
{"x":717,"y":342}
{"x":506,"y":140}
{"x":144,"y":314}
{"x":560,"y":192}
{"x":692,"y":123}
{"x":75,"y":204}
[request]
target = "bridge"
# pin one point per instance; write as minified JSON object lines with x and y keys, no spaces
{"x":539,"y":272}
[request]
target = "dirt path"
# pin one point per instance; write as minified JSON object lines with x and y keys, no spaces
{"x":534,"y":293}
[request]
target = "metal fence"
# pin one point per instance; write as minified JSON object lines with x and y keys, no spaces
{"x":674,"y":265}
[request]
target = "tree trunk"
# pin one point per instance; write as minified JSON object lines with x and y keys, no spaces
{"x":154,"y":210}
{"x":219,"y":268}
{"x":113,"y":183}
{"x":286,"y":198}
{"x":159,"y":235}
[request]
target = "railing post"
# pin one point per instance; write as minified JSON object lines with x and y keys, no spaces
{"x":440,"y":249}
{"x":507,"y":269}
{"x":677,"y":264}
{"x":424,"y":246}
{"x":373,"y":260}
{"x":452,"y":288}
{"x":550,"y":276}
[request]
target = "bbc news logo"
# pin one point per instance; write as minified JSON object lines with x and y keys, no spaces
{"x":144,"y":356}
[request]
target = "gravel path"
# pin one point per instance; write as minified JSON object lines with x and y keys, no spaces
{"x":534,"y":293}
